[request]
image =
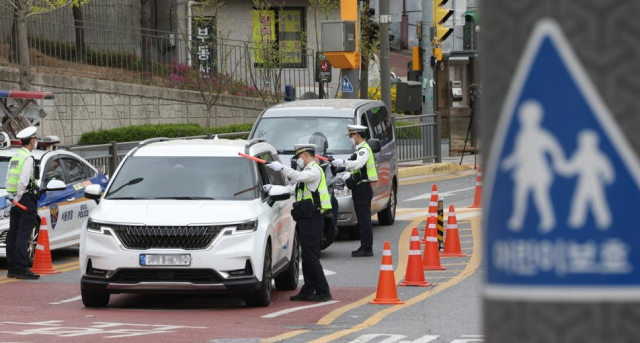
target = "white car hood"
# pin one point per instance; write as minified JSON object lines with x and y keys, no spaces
{"x":176,"y":212}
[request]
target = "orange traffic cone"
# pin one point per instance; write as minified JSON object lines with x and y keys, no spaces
{"x":477,"y":199}
{"x":433,"y":207}
{"x":452,"y":241}
{"x":431,"y":258}
{"x":387,"y":293}
{"x":415,"y":273}
{"x":42,"y":260}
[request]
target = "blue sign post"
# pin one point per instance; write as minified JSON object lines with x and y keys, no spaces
{"x":346,"y":85}
{"x":563,"y":186}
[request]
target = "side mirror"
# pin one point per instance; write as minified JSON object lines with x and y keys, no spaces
{"x":278,"y":193}
{"x":55,"y":185}
{"x":93,"y":192}
{"x":374,"y":144}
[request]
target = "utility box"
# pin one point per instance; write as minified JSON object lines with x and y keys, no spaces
{"x":338,"y":35}
{"x":408,"y":96}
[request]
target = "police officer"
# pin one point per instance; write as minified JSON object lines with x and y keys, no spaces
{"x":312,"y":200}
{"x":363,"y":171}
{"x":21,"y":187}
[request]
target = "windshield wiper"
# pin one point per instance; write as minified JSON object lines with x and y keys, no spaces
{"x":127,"y":198}
{"x":244,"y":191}
{"x":186,"y":198}
{"x":131,"y":182}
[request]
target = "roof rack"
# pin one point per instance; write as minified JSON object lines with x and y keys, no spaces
{"x":251,"y":142}
{"x":153,"y":140}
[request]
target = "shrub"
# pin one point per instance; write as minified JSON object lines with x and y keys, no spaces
{"x":408,"y":133}
{"x":142,"y":132}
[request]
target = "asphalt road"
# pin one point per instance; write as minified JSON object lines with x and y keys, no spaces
{"x":50,"y":310}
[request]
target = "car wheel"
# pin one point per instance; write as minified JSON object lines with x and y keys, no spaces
{"x":33,"y":243}
{"x":388,"y":215}
{"x":262,"y":297}
{"x":91,"y":299}
{"x":288,"y":280}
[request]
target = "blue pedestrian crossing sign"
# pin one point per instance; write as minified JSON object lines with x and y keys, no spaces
{"x":562,"y":196}
{"x":346,"y":85}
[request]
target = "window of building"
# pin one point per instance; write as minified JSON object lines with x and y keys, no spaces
{"x":278,"y":37}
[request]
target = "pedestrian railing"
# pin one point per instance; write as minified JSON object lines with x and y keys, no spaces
{"x":415,"y":137}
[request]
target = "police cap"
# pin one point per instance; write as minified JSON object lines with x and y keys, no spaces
{"x":300,"y":148}
{"x":356,"y":129}
{"x":26,"y":133}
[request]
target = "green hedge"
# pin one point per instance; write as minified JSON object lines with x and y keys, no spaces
{"x":142,"y":132}
{"x":410,"y":133}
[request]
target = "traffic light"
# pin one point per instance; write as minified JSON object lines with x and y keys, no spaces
{"x":440,"y":16}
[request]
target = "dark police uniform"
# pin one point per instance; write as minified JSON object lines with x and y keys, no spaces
{"x":363,"y":172}
{"x":22,"y":188}
{"x":312,"y":200}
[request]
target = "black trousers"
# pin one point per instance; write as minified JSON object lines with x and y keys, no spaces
{"x":309,"y":231}
{"x":362,"y":195}
{"x":21,"y":224}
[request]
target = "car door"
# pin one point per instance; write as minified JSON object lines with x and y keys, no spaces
{"x":79,"y":175}
{"x":57,"y":206}
{"x":283,"y":225}
{"x":373,"y":118}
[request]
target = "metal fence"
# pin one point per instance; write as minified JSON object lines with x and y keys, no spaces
{"x":414,"y":142}
{"x":116,"y":53}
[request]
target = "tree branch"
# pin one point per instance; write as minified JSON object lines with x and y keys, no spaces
{"x":12,"y":8}
{"x":49,"y":10}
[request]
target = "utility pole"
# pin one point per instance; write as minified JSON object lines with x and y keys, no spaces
{"x":563,"y":68}
{"x":427,"y":48}
{"x":385,"y":67}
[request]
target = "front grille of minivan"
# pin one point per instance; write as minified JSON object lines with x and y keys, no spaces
{"x":3,"y":238}
{"x":166,"y":237}
{"x":166,"y":275}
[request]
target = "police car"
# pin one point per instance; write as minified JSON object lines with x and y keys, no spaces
{"x":64,"y":210}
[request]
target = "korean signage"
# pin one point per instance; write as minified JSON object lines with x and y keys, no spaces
{"x":278,"y":37}
{"x":264,"y":34}
{"x":323,"y":68}
{"x":203,"y":44}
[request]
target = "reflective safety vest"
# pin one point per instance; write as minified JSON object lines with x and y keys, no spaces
{"x":321,"y":195}
{"x":15,"y":169}
{"x":369,"y":170}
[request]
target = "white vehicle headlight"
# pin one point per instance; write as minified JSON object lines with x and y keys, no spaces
{"x":246,"y":227}
{"x":342,"y":192}
{"x":96,"y":227}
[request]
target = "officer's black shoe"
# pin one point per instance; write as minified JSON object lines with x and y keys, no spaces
{"x":11,"y":275}
{"x":300,"y":297}
{"x":361,"y":253}
{"x":319,"y":297}
{"x":27,"y":276}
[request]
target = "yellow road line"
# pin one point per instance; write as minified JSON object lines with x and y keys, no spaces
{"x":471,"y":267}
{"x":62,"y":268}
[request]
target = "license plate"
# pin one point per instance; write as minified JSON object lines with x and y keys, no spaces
{"x":165,"y":260}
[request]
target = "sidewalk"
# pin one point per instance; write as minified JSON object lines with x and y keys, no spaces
{"x":449,"y":164}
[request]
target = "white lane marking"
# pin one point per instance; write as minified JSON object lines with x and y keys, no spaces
{"x":299,"y":308}
{"x":67,"y":300}
{"x":445,"y":194}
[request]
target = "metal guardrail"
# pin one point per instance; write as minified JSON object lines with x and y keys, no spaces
{"x":114,"y":53}
{"x":414,"y":142}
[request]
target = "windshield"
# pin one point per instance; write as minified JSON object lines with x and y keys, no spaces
{"x":4,"y":167}
{"x":283,"y":133}
{"x":185,"y":178}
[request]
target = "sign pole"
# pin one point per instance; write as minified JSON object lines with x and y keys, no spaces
{"x":562,"y":173}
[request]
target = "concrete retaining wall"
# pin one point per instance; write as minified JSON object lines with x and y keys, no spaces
{"x":83,"y":105}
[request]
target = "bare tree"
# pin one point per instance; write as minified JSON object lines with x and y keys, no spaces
{"x":81,"y":46}
{"x":145,"y":28}
{"x":23,"y":10}
{"x":321,"y":9}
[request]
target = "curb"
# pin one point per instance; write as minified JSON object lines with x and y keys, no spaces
{"x":436,"y":168}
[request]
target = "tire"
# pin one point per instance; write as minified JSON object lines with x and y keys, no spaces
{"x":91,"y":299}
{"x":288,"y":280}
{"x":262,"y":297}
{"x":388,"y":215}
{"x":33,"y":242}
{"x":353,"y":232}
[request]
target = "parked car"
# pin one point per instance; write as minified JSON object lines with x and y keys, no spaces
{"x":326,"y":120}
{"x":65,"y":209}
{"x":191,"y":216}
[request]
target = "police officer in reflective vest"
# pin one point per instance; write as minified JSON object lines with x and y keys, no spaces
{"x":312,"y":200}
{"x":363,"y":171}
{"x":21,"y":187}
